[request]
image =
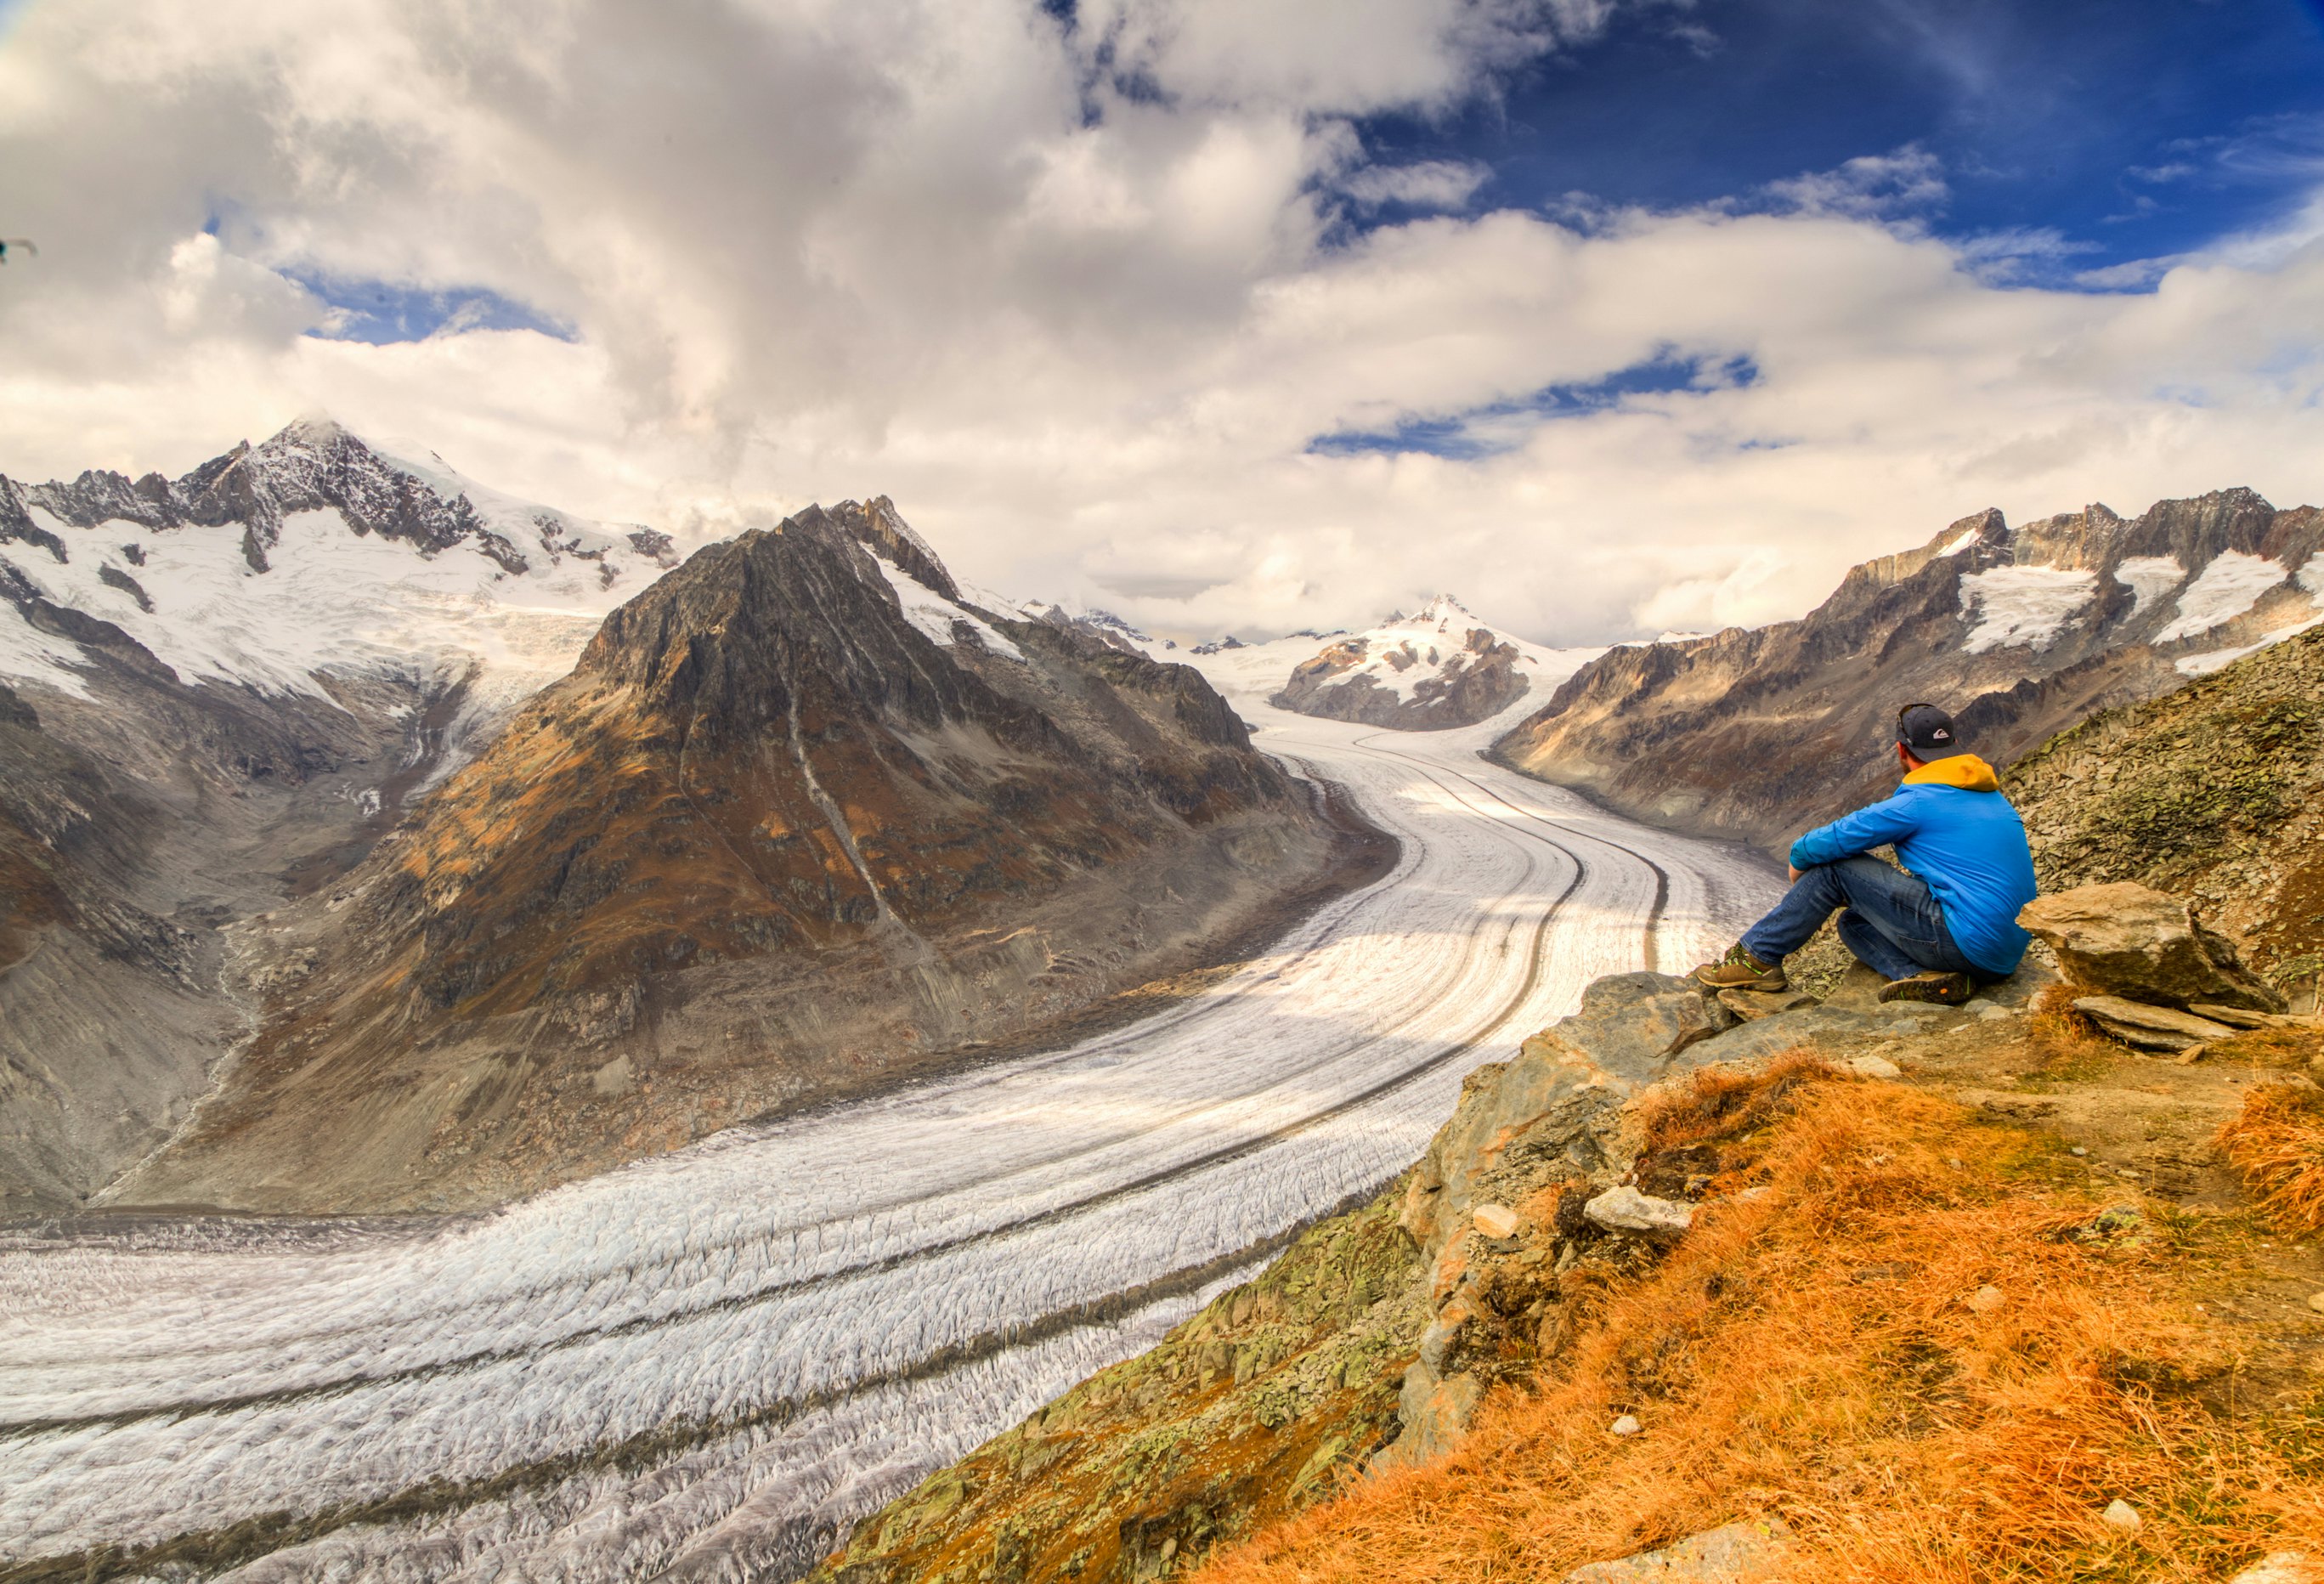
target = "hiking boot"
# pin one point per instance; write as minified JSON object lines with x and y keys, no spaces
{"x":1941,"y":990}
{"x":1738,"y":969}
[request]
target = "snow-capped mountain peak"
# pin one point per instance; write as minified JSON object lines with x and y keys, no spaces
{"x":1442,"y":614}
{"x":1438,"y":667}
{"x":309,"y":556}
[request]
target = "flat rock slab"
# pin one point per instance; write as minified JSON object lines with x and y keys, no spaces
{"x":1750,"y":1006}
{"x":1630,"y":1023}
{"x":2154,"y":1029}
{"x":1769,"y":1036}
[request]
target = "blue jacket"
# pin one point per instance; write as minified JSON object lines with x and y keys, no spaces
{"x":1952,"y":827}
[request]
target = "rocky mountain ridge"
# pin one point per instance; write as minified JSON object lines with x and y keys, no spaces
{"x":1437,"y":668}
{"x":1760,"y":732}
{"x":796,"y":825}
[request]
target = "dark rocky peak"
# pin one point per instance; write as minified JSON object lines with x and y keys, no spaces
{"x":2196,"y":531}
{"x":880,"y":528}
{"x":730,"y":639}
{"x":104,"y":496}
{"x":16,"y":523}
{"x":313,"y":464}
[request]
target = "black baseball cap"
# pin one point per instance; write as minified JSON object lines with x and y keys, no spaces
{"x":1927,"y":732}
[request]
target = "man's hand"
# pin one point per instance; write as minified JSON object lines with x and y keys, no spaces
{"x":1795,"y":873}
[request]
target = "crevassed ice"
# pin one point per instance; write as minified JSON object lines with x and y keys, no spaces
{"x":2230,"y":585}
{"x":2149,"y":578}
{"x":2022,"y":607}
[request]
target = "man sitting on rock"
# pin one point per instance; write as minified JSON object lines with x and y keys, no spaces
{"x":1935,"y":928}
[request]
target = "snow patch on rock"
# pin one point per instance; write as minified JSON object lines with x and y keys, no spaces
{"x":937,"y":616}
{"x":2149,"y":578}
{"x":2022,"y":607}
{"x":2230,"y":585}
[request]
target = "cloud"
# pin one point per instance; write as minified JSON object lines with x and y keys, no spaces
{"x":1909,"y":180}
{"x":1083,"y":297}
{"x":1427,"y":184}
{"x":1337,"y":57}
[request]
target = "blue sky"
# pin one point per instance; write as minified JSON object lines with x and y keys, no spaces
{"x":2135,"y":128}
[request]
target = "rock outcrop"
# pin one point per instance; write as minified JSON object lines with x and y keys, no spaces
{"x":1749,"y":1553}
{"x":1437,"y":668}
{"x":1758,"y":734}
{"x":796,"y":825}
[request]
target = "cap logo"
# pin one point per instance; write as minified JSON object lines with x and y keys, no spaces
{"x":1942,"y":735}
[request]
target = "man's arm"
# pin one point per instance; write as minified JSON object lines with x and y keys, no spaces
{"x":1889,"y":820}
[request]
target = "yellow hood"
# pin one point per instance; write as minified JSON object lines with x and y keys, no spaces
{"x":1965,"y":770}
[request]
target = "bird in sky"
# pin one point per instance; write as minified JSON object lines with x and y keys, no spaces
{"x":19,"y":244}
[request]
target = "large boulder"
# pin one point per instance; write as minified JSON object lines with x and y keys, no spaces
{"x":2125,"y":940}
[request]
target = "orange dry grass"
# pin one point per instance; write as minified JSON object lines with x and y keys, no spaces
{"x":2277,"y":1142}
{"x":2056,"y":1027}
{"x":1807,"y":1353}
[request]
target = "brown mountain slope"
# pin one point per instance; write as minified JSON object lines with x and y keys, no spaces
{"x":1761,"y":732}
{"x":769,"y":842}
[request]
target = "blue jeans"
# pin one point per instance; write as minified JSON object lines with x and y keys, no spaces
{"x":1893,"y":924}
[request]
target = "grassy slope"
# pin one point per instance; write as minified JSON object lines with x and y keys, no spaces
{"x":1809,"y":1354}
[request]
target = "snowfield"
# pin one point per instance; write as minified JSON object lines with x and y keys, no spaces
{"x":699,"y":1366}
{"x":2022,"y":607}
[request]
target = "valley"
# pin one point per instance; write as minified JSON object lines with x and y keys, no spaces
{"x":706,"y":1363}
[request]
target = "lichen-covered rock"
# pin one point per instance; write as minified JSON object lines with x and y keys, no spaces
{"x":2214,"y":793}
{"x":1434,"y":1412}
{"x":2124,"y":939}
